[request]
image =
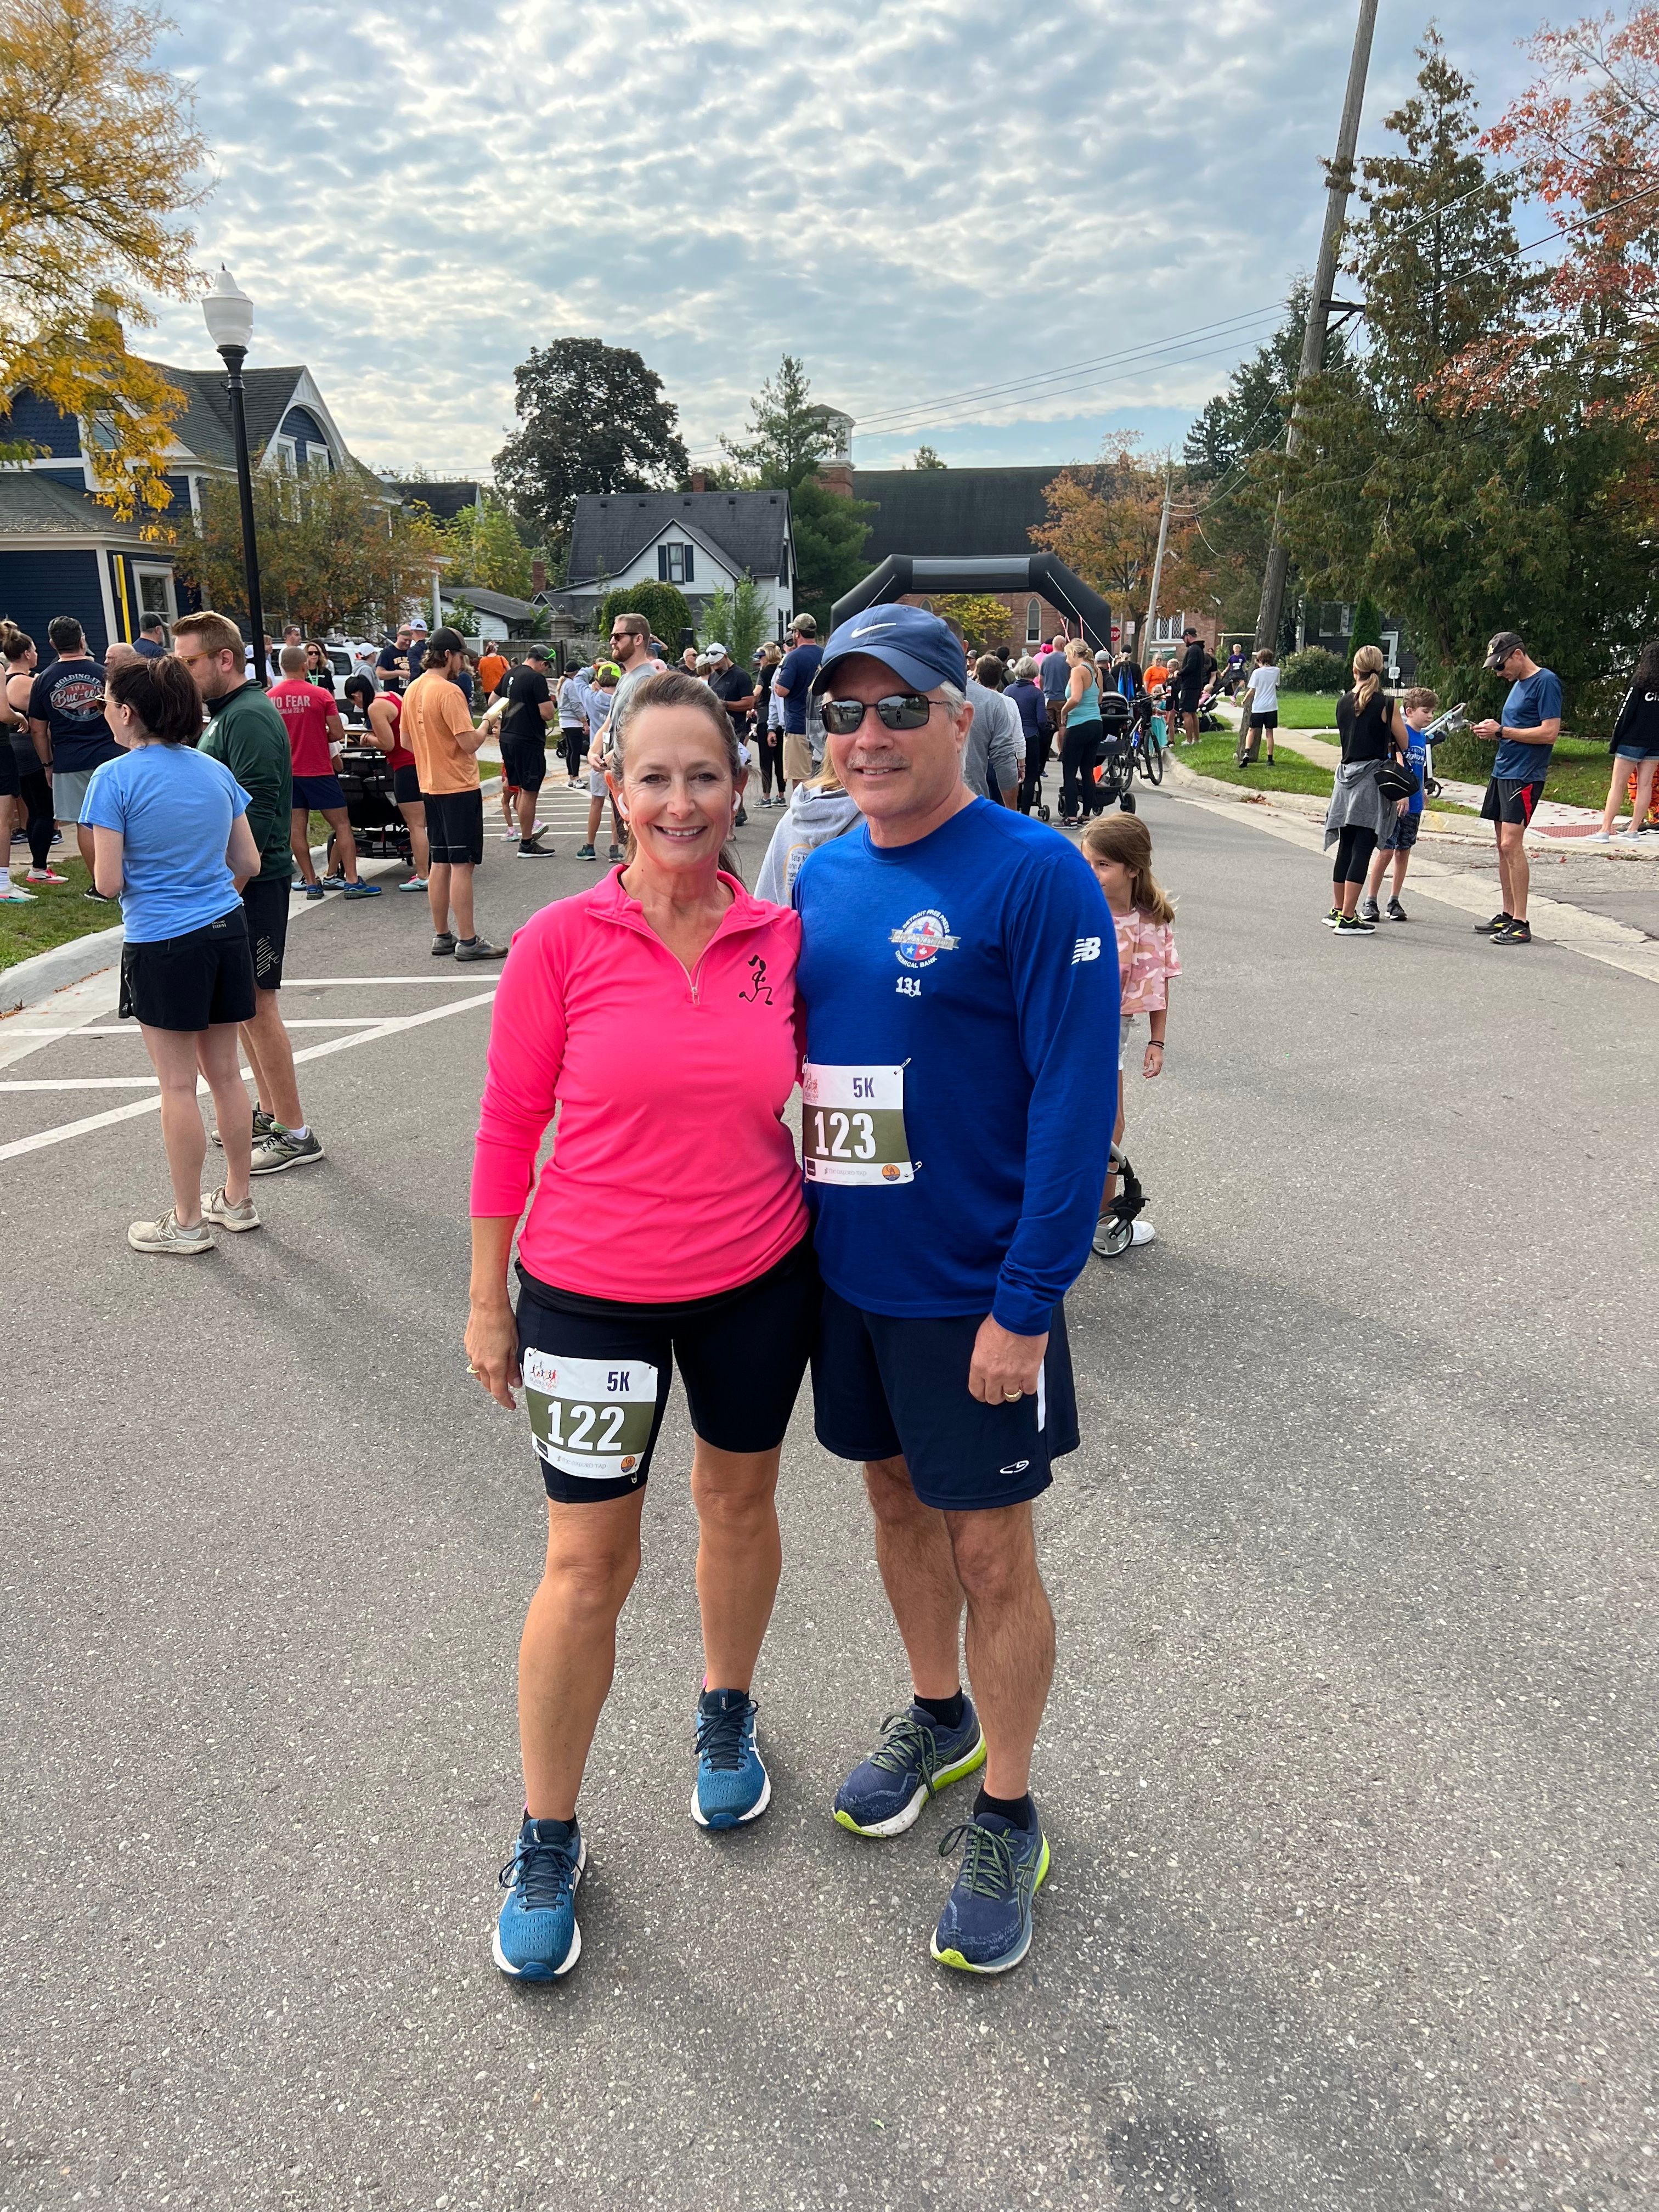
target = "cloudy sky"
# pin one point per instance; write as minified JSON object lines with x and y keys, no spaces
{"x":923,"y":198}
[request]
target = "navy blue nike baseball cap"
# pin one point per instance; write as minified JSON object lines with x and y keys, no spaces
{"x":916,"y":644}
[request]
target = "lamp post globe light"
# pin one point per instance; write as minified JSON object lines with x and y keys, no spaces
{"x":228,"y":314}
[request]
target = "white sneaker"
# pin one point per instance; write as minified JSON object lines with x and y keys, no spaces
{"x":222,"y":1214}
{"x":1141,"y":1232}
{"x":1599,"y":837}
{"x":167,"y":1236}
{"x":15,"y":895}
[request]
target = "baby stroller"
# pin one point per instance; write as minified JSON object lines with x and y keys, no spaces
{"x":372,"y":811}
{"x":1114,"y":769}
{"x":1115,"y":1231}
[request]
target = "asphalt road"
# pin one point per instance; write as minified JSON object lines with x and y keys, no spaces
{"x":1349,"y":1767}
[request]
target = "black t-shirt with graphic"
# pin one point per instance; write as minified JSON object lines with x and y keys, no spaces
{"x":68,"y":698}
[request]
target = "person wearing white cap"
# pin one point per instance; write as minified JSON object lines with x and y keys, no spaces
{"x":735,"y":688}
{"x":417,"y":646}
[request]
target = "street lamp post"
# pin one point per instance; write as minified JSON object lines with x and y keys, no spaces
{"x":229,"y":317}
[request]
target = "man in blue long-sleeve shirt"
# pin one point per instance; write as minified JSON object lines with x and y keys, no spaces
{"x":959,"y":975}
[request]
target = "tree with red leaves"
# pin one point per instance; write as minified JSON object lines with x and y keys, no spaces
{"x":1584,"y":140}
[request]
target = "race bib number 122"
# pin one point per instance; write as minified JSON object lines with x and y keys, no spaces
{"x":853,"y":1125}
{"x":589,"y":1417}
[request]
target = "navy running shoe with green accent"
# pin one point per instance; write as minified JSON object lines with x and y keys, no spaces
{"x":918,"y":1756}
{"x":986,"y":1925}
{"x":732,"y":1783}
{"x":536,"y":1938}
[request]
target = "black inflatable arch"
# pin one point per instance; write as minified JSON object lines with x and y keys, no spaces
{"x":926,"y":573}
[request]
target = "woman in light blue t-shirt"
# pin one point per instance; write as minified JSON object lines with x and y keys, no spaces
{"x":171,"y":841}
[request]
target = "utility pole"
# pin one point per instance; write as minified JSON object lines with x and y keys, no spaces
{"x":1340,"y":176}
{"x":1143,"y":645}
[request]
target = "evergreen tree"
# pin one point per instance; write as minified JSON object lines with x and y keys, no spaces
{"x":787,"y":434}
{"x":830,"y":530}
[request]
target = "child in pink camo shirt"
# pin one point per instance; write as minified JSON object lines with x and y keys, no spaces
{"x":1119,"y":848}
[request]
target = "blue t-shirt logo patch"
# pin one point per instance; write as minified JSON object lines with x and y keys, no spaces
{"x":923,"y":938}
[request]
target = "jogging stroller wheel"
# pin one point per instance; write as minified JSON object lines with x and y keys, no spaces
{"x":1043,"y":814}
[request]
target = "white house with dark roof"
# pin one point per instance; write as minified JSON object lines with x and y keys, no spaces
{"x":62,"y":552}
{"x":698,"y":540}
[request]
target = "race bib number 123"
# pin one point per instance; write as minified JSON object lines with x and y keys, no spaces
{"x":853,"y":1125}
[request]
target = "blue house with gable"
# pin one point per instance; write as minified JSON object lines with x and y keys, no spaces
{"x":61,"y":553}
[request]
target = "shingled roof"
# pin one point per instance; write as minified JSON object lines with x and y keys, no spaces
{"x":204,"y":425}
{"x":35,"y":504}
{"x":953,"y":511}
{"x":610,"y":529}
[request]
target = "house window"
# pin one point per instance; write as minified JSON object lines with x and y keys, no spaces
{"x":1033,"y":622}
{"x":155,"y":591}
{"x":285,"y":456}
{"x":674,"y":564}
{"x":1168,"y":630}
{"x":319,"y":462}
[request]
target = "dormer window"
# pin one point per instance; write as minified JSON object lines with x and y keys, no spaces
{"x":675,"y":564}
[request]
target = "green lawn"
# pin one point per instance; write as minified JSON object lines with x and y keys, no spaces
{"x":57,"y":917}
{"x":1307,"y":710}
{"x":1217,"y":756}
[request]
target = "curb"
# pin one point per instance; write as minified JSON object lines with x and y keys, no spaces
{"x":30,"y":982}
{"x":44,"y":973}
{"x":1457,"y":827}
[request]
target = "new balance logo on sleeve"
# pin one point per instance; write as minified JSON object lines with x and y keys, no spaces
{"x":1088,"y":948}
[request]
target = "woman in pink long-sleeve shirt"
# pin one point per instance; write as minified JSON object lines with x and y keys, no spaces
{"x":656,"y":1013}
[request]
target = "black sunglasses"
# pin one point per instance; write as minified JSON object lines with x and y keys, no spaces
{"x":906,"y":710}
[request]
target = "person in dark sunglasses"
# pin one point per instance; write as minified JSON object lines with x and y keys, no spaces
{"x":962,"y":1029}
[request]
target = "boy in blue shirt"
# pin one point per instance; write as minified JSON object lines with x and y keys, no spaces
{"x":1419,"y":708}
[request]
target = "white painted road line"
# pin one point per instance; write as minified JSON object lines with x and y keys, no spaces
{"x":83,"y":1082}
{"x":45,"y":1138}
{"x":131,"y":1029}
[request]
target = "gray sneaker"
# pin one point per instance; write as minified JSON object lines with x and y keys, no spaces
{"x":282,"y":1149}
{"x":478,"y":948}
{"x":222,"y":1214}
{"x":443,"y":943}
{"x":167,"y":1235}
{"x":1367,"y":910}
{"x":264,"y":1123}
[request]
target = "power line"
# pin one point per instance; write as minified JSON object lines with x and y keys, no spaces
{"x":984,"y":392}
{"x":1597,"y":214}
{"x":922,"y":422}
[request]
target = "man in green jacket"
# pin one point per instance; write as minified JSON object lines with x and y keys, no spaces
{"x":248,"y":735}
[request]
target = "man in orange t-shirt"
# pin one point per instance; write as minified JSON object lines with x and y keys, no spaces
{"x":491,"y":669}
{"x":437,"y":728}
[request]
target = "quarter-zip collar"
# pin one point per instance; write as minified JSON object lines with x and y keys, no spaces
{"x":609,"y":901}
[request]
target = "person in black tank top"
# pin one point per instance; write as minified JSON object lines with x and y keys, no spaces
{"x":1371,"y":728}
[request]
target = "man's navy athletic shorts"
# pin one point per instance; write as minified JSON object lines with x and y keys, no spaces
{"x":885,"y":1388}
{"x":318,"y":795}
{"x":597,"y":1373}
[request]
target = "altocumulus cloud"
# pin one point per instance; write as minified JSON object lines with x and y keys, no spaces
{"x":920,"y":199}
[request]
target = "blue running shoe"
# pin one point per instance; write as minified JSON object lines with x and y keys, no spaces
{"x":732,"y":1783}
{"x":884,"y":1795}
{"x":536,"y":1938}
{"x":986,"y":1925}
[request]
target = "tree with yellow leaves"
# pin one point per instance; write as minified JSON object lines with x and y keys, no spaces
{"x":98,"y":148}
